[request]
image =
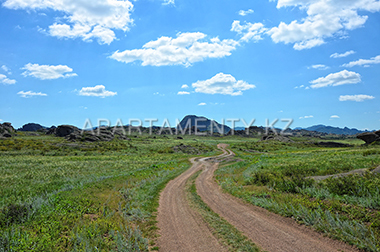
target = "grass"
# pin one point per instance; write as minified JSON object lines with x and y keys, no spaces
{"x":64,"y":196}
{"x":74,"y":196}
{"x":272,"y":175}
{"x":232,"y":238}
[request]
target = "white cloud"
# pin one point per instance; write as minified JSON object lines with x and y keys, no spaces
{"x":342,"y":55}
{"x":356,"y":98}
{"x":98,"y":91}
{"x":364,"y":62}
{"x":29,"y":94}
{"x":6,"y":69}
{"x":320,"y":67}
{"x":46,"y":72}
{"x":183,"y":93}
{"x":168,"y":2}
{"x":185,"y":49}
{"x":336,"y":79}
{"x":222,"y":84}
{"x":245,"y":13}
{"x":83,"y":19}
{"x":306,"y":117}
{"x":249,"y":31}
{"x":307,"y":44}
{"x":185,"y":86}
{"x":323,"y":19}
{"x":334,"y":117}
{"x":202,"y":104}
{"x":5,"y":80}
{"x":299,"y":86}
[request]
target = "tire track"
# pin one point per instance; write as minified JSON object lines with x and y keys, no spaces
{"x":181,"y":227}
{"x":269,"y":231}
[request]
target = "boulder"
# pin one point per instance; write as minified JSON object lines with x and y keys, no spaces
{"x":51,"y":130}
{"x":369,"y":137}
{"x":6,"y":130}
{"x":65,"y":130}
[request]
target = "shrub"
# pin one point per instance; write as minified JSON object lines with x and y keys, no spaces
{"x":14,"y":214}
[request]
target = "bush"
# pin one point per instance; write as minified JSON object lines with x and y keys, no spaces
{"x":293,"y":185}
{"x":14,"y":214}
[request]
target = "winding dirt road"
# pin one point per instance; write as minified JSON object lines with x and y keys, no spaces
{"x":182,"y":228}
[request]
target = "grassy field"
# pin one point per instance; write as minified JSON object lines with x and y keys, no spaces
{"x":63,"y":196}
{"x":272,"y":175}
{"x":72,"y":196}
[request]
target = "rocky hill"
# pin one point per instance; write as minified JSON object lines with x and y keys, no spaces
{"x":31,"y":127}
{"x":334,"y":130}
{"x":202,"y":124}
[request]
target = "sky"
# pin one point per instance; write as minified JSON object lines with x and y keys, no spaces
{"x":78,"y":61}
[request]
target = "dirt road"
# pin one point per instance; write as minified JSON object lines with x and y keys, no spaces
{"x":182,"y":229}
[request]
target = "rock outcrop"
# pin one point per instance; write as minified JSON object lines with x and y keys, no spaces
{"x":369,"y":137}
{"x":6,"y":130}
{"x":31,"y":127}
{"x":73,"y":133}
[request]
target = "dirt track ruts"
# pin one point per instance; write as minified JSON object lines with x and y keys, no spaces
{"x":182,"y":229}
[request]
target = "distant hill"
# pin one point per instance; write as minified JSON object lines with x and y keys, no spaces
{"x":333,"y":130}
{"x":31,"y":127}
{"x":202,"y":124}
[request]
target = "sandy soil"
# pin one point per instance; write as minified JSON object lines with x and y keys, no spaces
{"x":182,"y":229}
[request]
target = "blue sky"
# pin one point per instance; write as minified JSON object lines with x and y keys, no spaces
{"x":314,"y":61}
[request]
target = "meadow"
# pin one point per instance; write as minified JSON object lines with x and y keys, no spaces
{"x":57,"y":195}
{"x":66,"y":196}
{"x":276,"y":176}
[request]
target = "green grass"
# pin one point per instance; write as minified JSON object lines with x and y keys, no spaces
{"x":63,"y":196}
{"x":74,"y":196}
{"x":274,"y":178}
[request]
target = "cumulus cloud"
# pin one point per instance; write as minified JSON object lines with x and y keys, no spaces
{"x":184,"y":86}
{"x":83,"y":19}
{"x":307,"y":44}
{"x":364,"y":62}
{"x":202,"y":104}
{"x":46,"y":72}
{"x":185,"y":49}
{"x":306,"y":117}
{"x":323,"y":19}
{"x":29,"y":94}
{"x":334,"y":117}
{"x":342,"y":55}
{"x":356,"y":98}
{"x":183,"y":93}
{"x":222,"y":83}
{"x":245,"y":12}
{"x":249,"y":31}
{"x":336,"y":79}
{"x":98,"y":91}
{"x":5,"y":80}
{"x":319,"y":67}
